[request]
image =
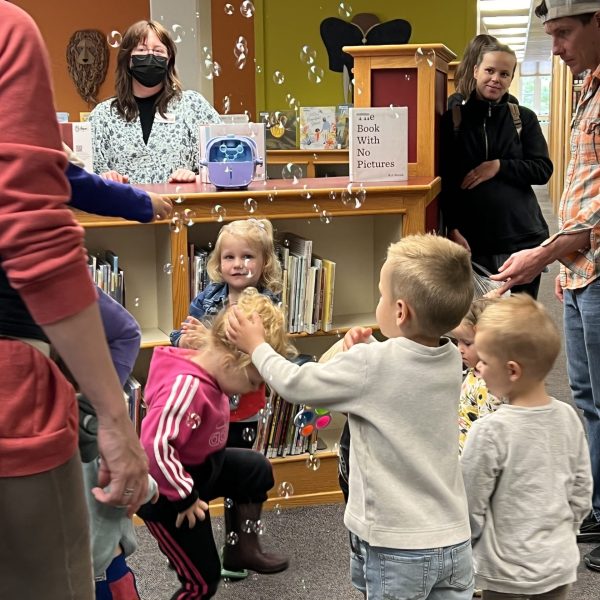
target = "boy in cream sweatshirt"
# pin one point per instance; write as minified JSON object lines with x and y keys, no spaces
{"x":407,"y":511}
{"x":526,"y":466}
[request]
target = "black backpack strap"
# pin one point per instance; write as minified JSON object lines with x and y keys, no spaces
{"x":456,"y":118}
{"x":516,"y":117}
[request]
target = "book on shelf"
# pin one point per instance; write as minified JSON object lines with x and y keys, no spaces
{"x":281,"y":129}
{"x":342,"y":126}
{"x":317,"y":127}
{"x":378,"y":144}
{"x":255,"y":131}
{"x":106,"y":273}
{"x":198,"y":258}
{"x":133,"y":395}
{"x":328,"y":294}
{"x":78,"y":136}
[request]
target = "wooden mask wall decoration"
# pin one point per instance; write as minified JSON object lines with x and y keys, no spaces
{"x":87,"y":62}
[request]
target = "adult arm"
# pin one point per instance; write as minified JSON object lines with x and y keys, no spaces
{"x":535,"y":168}
{"x":41,"y":246}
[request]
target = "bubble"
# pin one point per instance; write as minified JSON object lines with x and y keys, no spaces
{"x":259,"y":528}
{"x":226,"y":104}
{"x":228,"y":502}
{"x":178,"y":33}
{"x":240,"y":61}
{"x":229,"y":10}
{"x":308,"y":55}
{"x":250,"y":205}
{"x":114,"y":39}
{"x":232,"y":538}
{"x":241,"y":46}
{"x":292,"y":102}
{"x":136,"y":302}
{"x":218,"y":213}
{"x":326,"y":217}
{"x":277,"y":509}
{"x":306,"y":194}
{"x":259,"y":70}
{"x":292,"y":171}
{"x":313,"y":462}
{"x":181,"y":259}
{"x":193,"y":420}
{"x":315,"y":74}
{"x":248,"y":435}
{"x":216,"y":69}
{"x":285,"y":489}
{"x":425,"y":56}
{"x":175,"y":224}
{"x":189,"y":215}
{"x":332,"y":195}
{"x":271,"y":197}
{"x":278,"y":77}
{"x":248,"y":526}
{"x":316,"y":208}
{"x":234,"y":401}
{"x":254,"y":577}
{"x":168,"y":268}
{"x":354,"y":197}
{"x":247,"y":9}
{"x":344,"y":9}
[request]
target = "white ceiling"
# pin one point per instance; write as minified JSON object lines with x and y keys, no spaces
{"x":537,"y":45}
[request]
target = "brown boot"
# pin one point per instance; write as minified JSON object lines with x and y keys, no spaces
{"x":247,"y":553}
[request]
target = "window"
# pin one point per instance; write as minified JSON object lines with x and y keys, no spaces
{"x":534,"y":86}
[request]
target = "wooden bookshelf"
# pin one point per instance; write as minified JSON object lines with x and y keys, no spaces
{"x":356,"y":238}
{"x":310,"y":160}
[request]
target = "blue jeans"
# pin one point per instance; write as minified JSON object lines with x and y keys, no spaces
{"x":582,"y":345}
{"x":437,"y":573}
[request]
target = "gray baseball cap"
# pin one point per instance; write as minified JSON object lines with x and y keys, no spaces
{"x":557,"y":9}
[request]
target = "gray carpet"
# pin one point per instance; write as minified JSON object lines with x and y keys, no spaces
{"x":315,"y":538}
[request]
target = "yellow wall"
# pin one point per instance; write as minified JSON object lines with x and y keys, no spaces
{"x":288,"y":26}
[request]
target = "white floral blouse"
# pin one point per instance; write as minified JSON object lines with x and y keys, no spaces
{"x":173,"y":143}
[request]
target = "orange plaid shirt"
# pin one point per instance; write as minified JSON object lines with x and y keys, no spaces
{"x":580,"y":202}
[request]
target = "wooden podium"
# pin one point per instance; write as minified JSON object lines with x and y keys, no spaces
{"x":411,"y":75}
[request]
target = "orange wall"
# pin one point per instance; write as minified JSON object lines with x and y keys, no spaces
{"x":234,"y":82}
{"x":59,"y":20}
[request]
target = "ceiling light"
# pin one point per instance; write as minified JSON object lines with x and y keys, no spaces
{"x":509,"y":41}
{"x":497,"y":6}
{"x":506,"y":21}
{"x":508,"y":31}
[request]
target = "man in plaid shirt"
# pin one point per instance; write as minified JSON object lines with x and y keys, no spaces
{"x":575,"y":29}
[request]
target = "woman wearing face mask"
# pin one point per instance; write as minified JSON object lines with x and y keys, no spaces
{"x":148,"y":133}
{"x":491,"y":152}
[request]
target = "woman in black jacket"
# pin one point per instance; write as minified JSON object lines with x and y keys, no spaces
{"x":491,"y":153}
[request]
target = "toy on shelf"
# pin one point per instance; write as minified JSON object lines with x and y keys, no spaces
{"x":309,"y":420}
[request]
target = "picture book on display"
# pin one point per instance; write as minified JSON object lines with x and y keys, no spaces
{"x":342,"y":123}
{"x":281,"y":129}
{"x":379,"y":144}
{"x":317,"y":127}
{"x":78,"y":136}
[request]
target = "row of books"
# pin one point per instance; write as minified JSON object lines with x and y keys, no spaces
{"x":311,"y":128}
{"x":198,"y":258}
{"x":308,"y":285}
{"x":107,"y":275}
{"x":277,"y":436}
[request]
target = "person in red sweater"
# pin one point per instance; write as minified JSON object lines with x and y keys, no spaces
{"x":45,"y":550}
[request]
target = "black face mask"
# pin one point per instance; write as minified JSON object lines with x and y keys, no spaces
{"x":148,"y":69}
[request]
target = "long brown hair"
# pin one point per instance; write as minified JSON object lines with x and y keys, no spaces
{"x":124,"y":101}
{"x":464,"y":82}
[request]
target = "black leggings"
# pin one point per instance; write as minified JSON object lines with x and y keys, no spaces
{"x":245,"y":476}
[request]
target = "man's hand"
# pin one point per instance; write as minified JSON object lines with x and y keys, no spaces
{"x":245,"y":333}
{"x":115,"y":176}
{"x":162,"y":207}
{"x":558,"y":290}
{"x":182,"y":176}
{"x":521,"y":267}
{"x":356,"y":335}
{"x":192,"y":514}
{"x":457,"y":237}
{"x":486,"y":170}
{"x":124,"y":466}
{"x":192,"y":333}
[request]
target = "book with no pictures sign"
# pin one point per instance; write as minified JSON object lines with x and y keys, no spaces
{"x":379,"y":144}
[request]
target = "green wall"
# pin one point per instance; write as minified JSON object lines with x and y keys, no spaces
{"x":282,"y":27}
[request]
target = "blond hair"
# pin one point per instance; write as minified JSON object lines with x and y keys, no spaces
{"x":274,"y":324}
{"x":433,"y":275}
{"x":477,"y":308}
{"x":521,"y":331}
{"x":258,"y":233}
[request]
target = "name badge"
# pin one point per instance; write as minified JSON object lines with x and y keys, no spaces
{"x":168,"y":118}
